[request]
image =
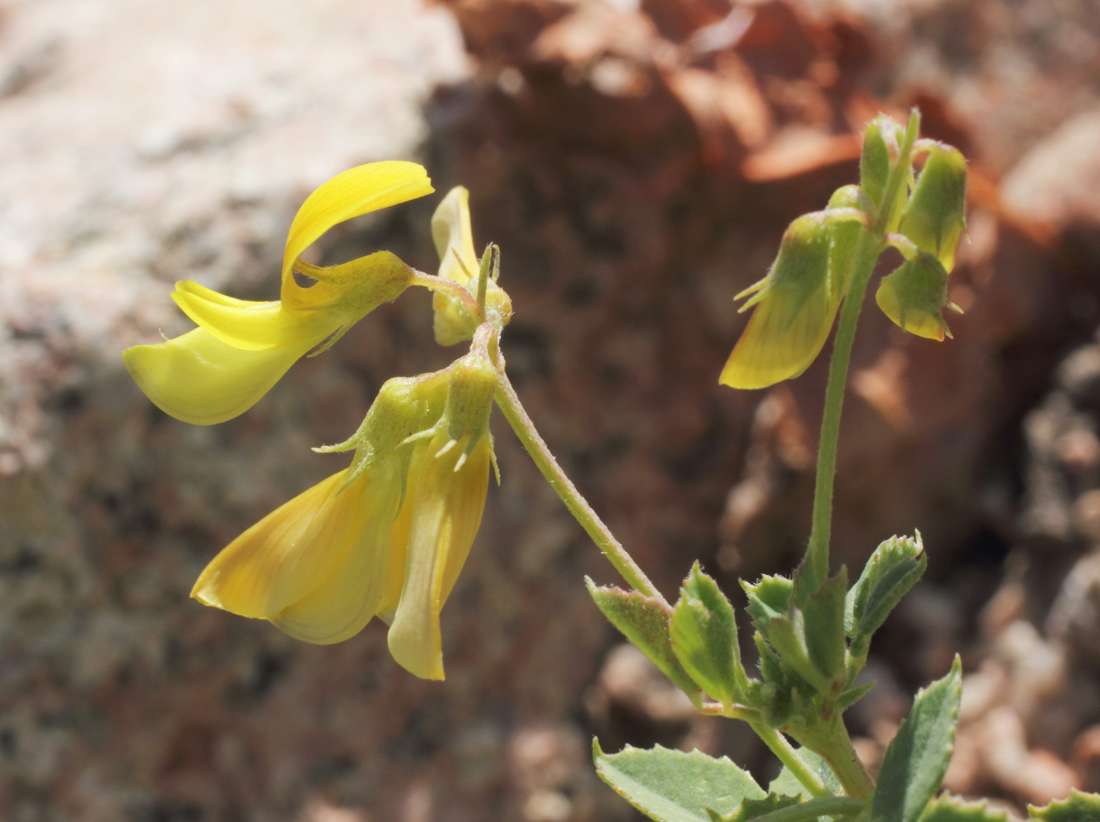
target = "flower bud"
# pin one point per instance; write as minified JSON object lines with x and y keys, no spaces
{"x":454,"y":243}
{"x":914,"y":295}
{"x":874,"y":160}
{"x":934,"y":217}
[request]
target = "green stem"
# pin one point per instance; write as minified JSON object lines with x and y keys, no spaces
{"x":786,"y":754}
{"x":846,"y":764}
{"x":864,"y":265}
{"x":578,"y":506}
{"x":815,"y":809}
{"x":871,"y":245}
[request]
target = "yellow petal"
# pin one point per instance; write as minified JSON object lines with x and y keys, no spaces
{"x":251,"y":326}
{"x":454,"y":240}
{"x":281,"y":558}
{"x":780,"y":341}
{"x":349,"y":194}
{"x":447,"y":508}
{"x":199,"y":379}
{"x":345,"y":601}
{"x":395,"y":575}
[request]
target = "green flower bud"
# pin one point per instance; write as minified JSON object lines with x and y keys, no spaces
{"x":914,"y":295}
{"x":472,"y":385}
{"x":874,"y":160}
{"x":934,"y":219}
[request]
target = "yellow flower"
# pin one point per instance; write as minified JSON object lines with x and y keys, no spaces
{"x":797,"y":301}
{"x":458,"y":263}
{"x":388,"y":536}
{"x":242,"y":348}
{"x":914,"y":295}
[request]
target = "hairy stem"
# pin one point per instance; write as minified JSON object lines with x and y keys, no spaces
{"x":786,"y":754}
{"x":578,"y":506}
{"x":846,"y":764}
{"x":871,"y":245}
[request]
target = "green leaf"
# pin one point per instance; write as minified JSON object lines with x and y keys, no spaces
{"x":824,"y":627}
{"x":787,"y":634}
{"x":768,"y":599}
{"x":850,"y":696}
{"x":787,"y":783}
{"x":892,"y":570}
{"x":916,"y":761}
{"x":1078,"y":807}
{"x":645,"y":622}
{"x":673,"y":786}
{"x":704,"y":638}
{"x":953,"y":809}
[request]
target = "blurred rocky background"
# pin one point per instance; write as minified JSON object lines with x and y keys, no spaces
{"x":637,"y":161}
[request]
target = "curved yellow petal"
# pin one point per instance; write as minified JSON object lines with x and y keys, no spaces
{"x":341,"y":605}
{"x":447,"y":506}
{"x":199,"y":379}
{"x":256,"y":326}
{"x":210,"y":295}
{"x":454,"y":242}
{"x":780,"y":341}
{"x":349,"y":194}
{"x":453,"y":237}
{"x":281,"y":558}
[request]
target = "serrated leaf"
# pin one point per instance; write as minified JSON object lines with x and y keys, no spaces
{"x":645,"y":622}
{"x":787,"y":783}
{"x":949,"y":808}
{"x":673,"y":786}
{"x":916,"y":761}
{"x":787,"y":635}
{"x":1077,"y":807}
{"x":892,"y":570}
{"x":769,"y":598}
{"x":824,"y":628}
{"x":704,"y":637}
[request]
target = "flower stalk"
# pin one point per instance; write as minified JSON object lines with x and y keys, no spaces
{"x":578,"y":506}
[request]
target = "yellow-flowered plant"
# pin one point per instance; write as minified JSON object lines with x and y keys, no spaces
{"x":389,"y":535}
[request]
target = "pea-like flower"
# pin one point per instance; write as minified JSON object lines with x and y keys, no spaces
{"x":797,"y":301}
{"x":454,"y":242}
{"x":242,"y":348}
{"x":387,"y":536}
